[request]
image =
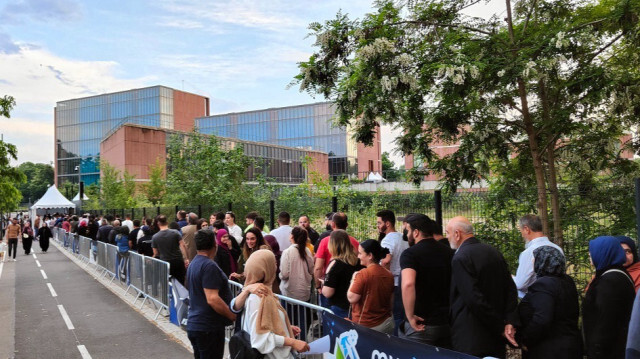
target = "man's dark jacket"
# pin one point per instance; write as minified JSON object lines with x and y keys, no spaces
{"x":483,"y":299}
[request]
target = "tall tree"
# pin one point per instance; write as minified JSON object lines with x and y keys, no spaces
{"x":10,"y":177}
{"x":203,"y":170}
{"x":555,"y":84}
{"x":389,"y":170}
{"x":39,"y":177}
{"x":117,"y":189}
{"x":156,"y":188}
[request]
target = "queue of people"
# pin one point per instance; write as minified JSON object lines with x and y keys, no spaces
{"x":452,"y":291}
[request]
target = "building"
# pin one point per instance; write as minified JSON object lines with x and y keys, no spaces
{"x":134,"y":148}
{"x":81,"y":124}
{"x":304,"y":126}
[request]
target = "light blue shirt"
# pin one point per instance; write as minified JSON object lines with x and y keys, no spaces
{"x":525,"y":276}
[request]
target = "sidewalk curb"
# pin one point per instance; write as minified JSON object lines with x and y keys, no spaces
{"x":176,"y":333}
{"x":7,"y":311}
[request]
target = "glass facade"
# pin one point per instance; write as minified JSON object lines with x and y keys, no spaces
{"x":305,"y":126}
{"x":82,"y":123}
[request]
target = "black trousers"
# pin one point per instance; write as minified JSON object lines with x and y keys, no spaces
{"x":13,"y":244}
{"x":177,"y":270}
{"x":26,"y":245}
{"x":207,"y":345}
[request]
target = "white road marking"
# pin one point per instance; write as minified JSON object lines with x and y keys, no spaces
{"x":84,"y":352}
{"x":1,"y":265}
{"x":44,"y":275}
{"x":34,"y":255}
{"x":53,"y":292}
{"x":38,"y":263}
{"x":66,"y":318}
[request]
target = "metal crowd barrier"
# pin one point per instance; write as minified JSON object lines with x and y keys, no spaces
{"x":306,"y":316}
{"x":156,"y":282}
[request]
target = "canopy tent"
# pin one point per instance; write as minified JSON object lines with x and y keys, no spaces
{"x":77,"y":197}
{"x":52,"y":201}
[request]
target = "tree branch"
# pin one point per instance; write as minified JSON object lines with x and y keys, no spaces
{"x":526,"y":21}
{"x":436,"y":24}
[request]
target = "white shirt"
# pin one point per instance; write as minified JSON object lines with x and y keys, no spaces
{"x":128,"y":223}
{"x":282,"y":235}
{"x":393,"y":241}
{"x":236,"y":232}
{"x":270,"y":344}
{"x":525,"y":276}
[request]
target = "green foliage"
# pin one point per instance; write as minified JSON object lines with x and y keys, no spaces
{"x":202,"y":170}
{"x":39,"y":176}
{"x":10,"y":177}
{"x":156,"y":188}
{"x":556,"y":84}
{"x":389,"y":171}
{"x":118,"y":190}
{"x":69,"y":189}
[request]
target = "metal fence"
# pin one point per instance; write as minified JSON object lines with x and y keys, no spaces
{"x":149,"y":277}
{"x":306,"y":316}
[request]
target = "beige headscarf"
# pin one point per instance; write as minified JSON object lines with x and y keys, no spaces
{"x":261,"y":268}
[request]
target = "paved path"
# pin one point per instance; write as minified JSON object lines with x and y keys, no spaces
{"x":62,"y":312}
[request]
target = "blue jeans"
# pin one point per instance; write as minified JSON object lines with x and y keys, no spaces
{"x":398,"y":309}
{"x":207,"y":345}
{"x":75,"y":243}
{"x":342,"y":313}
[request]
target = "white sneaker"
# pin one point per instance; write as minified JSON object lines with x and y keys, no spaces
{"x":14,"y":260}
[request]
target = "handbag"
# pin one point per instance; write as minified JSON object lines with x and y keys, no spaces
{"x":240,"y":346}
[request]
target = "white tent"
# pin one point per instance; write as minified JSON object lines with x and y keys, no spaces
{"x":77,"y":198}
{"x":52,"y":199}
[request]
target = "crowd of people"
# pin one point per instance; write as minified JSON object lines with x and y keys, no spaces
{"x":446,"y":289}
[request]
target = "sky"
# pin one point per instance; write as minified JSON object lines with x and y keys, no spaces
{"x":241,"y":54}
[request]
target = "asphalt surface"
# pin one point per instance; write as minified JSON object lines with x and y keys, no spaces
{"x":97,"y":324}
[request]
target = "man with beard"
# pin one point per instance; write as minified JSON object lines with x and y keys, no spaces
{"x":305,"y":223}
{"x":327,"y":232}
{"x":392,"y":240}
{"x":426,"y":281}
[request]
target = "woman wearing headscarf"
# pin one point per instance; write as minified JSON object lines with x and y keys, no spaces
{"x":606,"y":307}
{"x":549,"y":311}
{"x":225,"y":260}
{"x":264,"y":318}
{"x":27,"y":237}
{"x":632,"y":265}
{"x":45,"y":236}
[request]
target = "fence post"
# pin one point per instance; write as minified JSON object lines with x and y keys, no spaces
{"x":122,"y":214}
{"x":144,"y":212}
{"x":199,"y":211}
{"x":272,"y":213}
{"x":437,"y":197}
{"x":158,"y":210}
{"x":230,"y":206}
{"x":133,"y":213}
{"x":334,"y":204}
{"x":177,"y":209}
{"x":637,"y":211}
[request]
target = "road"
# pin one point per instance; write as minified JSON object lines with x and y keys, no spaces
{"x":62,"y":312}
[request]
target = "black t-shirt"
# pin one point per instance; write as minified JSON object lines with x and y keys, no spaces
{"x":339,"y":278}
{"x":322,"y":236}
{"x":144,"y":245}
{"x":168,"y":244}
{"x":432,"y":262}
{"x":133,"y":237}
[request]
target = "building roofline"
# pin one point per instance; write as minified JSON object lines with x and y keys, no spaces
{"x":220,"y":137}
{"x":129,"y":90}
{"x":266,"y":109}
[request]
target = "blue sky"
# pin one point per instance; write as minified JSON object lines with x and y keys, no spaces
{"x":242,"y":54}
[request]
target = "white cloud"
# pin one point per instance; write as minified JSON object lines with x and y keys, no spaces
{"x":41,"y":10}
{"x":268,"y":15}
{"x":37,"y":79}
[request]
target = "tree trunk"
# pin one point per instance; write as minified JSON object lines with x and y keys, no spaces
{"x":531,"y":134}
{"x":551,"y":163}
{"x":555,"y":197}
{"x":537,"y":160}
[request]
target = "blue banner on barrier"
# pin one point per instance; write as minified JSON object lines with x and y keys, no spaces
{"x":351,"y":341}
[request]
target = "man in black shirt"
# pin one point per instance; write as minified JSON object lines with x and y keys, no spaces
{"x":327,"y":232}
{"x":426,"y":282}
{"x":305,"y":223}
